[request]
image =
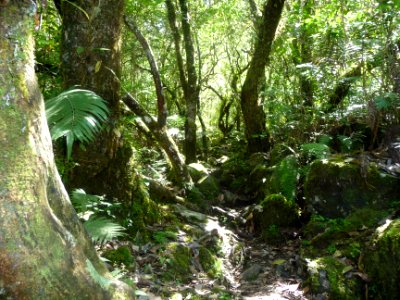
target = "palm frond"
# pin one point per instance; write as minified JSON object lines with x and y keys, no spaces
{"x":76,"y":114}
{"x":103,"y":230}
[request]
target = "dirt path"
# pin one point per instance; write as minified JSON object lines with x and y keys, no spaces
{"x":252,"y":269}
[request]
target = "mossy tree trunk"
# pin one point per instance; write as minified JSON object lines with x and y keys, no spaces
{"x":187,"y":76}
{"x":254,"y":117}
{"x":44,"y":250}
{"x":91,"y":58}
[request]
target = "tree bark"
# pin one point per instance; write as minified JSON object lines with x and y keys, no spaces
{"x":44,"y":250}
{"x":91,"y":58}
{"x":187,"y":77}
{"x":161,"y":104}
{"x":164,"y":140}
{"x":254,"y":117}
{"x":303,"y":54}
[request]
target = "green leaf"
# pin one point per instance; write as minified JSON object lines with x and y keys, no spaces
{"x":76,"y":115}
{"x":103,"y":230}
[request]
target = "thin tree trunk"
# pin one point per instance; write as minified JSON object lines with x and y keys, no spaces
{"x":44,"y":250}
{"x":164,"y":140}
{"x":188,"y":76}
{"x":161,"y":104}
{"x":254,"y":117}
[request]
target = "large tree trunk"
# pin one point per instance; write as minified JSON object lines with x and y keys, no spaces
{"x":91,"y":58}
{"x":44,"y":251}
{"x":254,"y":117}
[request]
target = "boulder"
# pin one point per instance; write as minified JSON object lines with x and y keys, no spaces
{"x":336,"y":186}
{"x":197,"y":171}
{"x":330,"y":278}
{"x":381,"y":261}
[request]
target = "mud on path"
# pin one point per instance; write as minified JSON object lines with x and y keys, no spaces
{"x":251,"y":268}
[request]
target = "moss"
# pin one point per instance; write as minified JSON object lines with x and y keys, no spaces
{"x":337,"y":186}
{"x":277,"y":210}
{"x":197,"y":171}
{"x":272,"y":234}
{"x":327,"y":276}
{"x":209,"y":187}
{"x":381,"y":261}
{"x":210,"y":264}
{"x":179,"y":263}
{"x":122,"y":255}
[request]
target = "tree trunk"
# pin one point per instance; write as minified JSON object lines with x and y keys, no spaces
{"x":91,"y":58}
{"x":187,"y":77}
{"x":164,"y":140}
{"x":254,"y":117}
{"x":303,"y":53}
{"x":44,"y":250}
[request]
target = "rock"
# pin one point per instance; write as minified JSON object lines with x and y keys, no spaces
{"x":190,"y":215}
{"x":381,"y":261}
{"x":209,"y":187}
{"x":251,"y":273}
{"x":336,"y":186}
{"x":179,"y":263}
{"x":327,"y":280}
{"x":276,"y":210}
{"x":210,"y":263}
{"x":197,"y":171}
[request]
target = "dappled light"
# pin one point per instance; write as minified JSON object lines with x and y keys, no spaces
{"x":199,"y":150}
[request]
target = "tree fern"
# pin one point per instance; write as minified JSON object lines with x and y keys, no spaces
{"x":76,"y":114}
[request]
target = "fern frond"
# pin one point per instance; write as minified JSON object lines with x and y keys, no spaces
{"x":103,"y":230}
{"x":82,"y":201}
{"x":76,"y":115}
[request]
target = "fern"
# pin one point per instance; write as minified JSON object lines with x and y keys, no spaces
{"x":82,"y":201}
{"x":76,"y":115}
{"x":103,"y":230}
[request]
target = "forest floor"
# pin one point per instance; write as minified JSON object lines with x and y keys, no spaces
{"x":251,"y":269}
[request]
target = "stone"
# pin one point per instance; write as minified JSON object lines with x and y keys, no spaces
{"x":336,"y":186}
{"x":251,"y":273}
{"x":381,"y":261}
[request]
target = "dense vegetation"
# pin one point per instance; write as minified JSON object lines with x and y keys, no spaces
{"x":189,"y":132}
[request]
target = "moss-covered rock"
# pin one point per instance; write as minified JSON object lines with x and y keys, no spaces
{"x":276,"y":210}
{"x":197,"y":171}
{"x":381,"y":261}
{"x":336,"y":186}
{"x":329,"y":278}
{"x":179,"y":263}
{"x":121,"y":255}
{"x":209,"y":187}
{"x":211,"y":264}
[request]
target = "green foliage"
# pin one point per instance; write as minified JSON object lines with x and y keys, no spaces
{"x":272,"y":234}
{"x":103,"y":230}
{"x":121,"y":255}
{"x":162,"y":237}
{"x":284,"y":178}
{"x":77,"y":115}
{"x":315,"y":150}
{"x":91,"y":209}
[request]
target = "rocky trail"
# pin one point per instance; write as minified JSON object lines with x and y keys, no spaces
{"x":250,"y":269}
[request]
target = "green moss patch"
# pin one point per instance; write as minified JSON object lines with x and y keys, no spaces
{"x":337,"y":186}
{"x":328,"y":276}
{"x":122,"y":255}
{"x":381,"y":261}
